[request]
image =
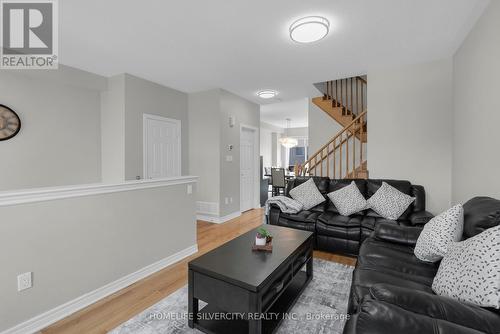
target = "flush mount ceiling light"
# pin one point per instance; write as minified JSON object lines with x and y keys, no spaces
{"x":267,"y":94}
{"x":309,"y":29}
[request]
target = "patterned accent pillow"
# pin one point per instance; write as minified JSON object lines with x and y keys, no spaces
{"x":389,"y":202}
{"x":470,"y":271}
{"x":439,"y":233}
{"x":348,"y":200}
{"x":307,"y":194}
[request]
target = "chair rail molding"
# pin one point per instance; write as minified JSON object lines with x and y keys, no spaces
{"x":8,"y":198}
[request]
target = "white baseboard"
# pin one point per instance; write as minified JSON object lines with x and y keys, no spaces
{"x":217,"y":219}
{"x":48,"y":318}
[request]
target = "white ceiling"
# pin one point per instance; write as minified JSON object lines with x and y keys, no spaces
{"x":276,"y":113}
{"x":243,"y":45}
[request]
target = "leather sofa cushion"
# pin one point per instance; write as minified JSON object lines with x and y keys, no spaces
{"x":396,"y":257}
{"x":344,"y":232}
{"x":335,"y":219}
{"x":336,"y":184}
{"x":381,"y":317}
{"x":296,"y":224}
{"x":480,"y":213}
{"x":370,"y":222}
{"x":305,"y":216}
{"x":438,"y":307}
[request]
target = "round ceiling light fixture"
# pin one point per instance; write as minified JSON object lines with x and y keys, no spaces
{"x":267,"y":94}
{"x":309,"y":29}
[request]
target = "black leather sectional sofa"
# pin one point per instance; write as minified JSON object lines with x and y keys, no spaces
{"x":341,"y":234}
{"x":391,"y":289}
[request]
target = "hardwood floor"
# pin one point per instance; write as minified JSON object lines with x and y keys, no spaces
{"x":115,"y":309}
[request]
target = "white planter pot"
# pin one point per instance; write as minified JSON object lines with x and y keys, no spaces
{"x":260,"y":241}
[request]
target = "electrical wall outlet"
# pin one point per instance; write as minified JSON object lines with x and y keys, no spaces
{"x":189,"y":189}
{"x":226,"y":200}
{"x":230,"y":200}
{"x":24,"y":281}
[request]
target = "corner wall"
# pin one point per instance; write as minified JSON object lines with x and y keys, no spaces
{"x":410,"y":127}
{"x":476,"y":138}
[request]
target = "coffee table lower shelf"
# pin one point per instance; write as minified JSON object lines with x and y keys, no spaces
{"x":282,"y":305}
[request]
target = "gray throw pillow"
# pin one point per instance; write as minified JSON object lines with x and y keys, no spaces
{"x":348,"y":200}
{"x":389,"y":202}
{"x":439,"y":233}
{"x":307,"y":194}
{"x":470,"y":270}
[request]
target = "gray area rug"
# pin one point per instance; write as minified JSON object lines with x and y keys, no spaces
{"x":321,"y":308}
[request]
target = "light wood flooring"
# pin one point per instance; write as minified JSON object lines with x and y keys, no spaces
{"x":115,"y":309}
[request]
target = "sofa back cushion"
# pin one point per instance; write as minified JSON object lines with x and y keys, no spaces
{"x":480,"y":213}
{"x":337,"y":184}
{"x":405,"y":187}
{"x":419,"y":193}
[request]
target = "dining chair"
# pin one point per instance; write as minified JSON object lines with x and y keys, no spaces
{"x":278,"y":180}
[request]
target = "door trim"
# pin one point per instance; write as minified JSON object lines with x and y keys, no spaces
{"x":256,"y":191}
{"x":146,"y":117}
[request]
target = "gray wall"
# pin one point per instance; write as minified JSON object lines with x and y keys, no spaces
{"x":247,"y":113}
{"x":321,"y":128}
{"x":146,"y":97}
{"x":210,"y":136}
{"x":204,"y":143}
{"x":410,"y":127}
{"x":72,"y":251}
{"x":476,"y":137}
{"x":59,"y":142}
{"x":113,"y":130}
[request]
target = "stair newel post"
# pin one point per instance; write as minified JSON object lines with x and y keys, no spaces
{"x":334,"y":161}
{"x":321,"y":163}
{"x":356,"y":125}
{"x":328,"y":160}
{"x":361,"y":137}
{"x":340,"y":156}
{"x":347,"y":153}
{"x":350,"y":86}
{"x":357,"y":96}
{"x":362,"y":97}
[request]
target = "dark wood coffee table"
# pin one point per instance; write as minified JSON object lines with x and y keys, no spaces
{"x":248,"y":291}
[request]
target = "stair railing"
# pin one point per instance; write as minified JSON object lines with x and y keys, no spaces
{"x":349,"y":94}
{"x":344,"y":156}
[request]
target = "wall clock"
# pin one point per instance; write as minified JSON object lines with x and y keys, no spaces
{"x":10,"y":123}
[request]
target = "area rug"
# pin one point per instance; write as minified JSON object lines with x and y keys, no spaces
{"x":321,"y":308}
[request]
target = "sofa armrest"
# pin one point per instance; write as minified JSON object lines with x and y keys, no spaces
{"x":405,"y":235}
{"x":437,"y":307}
{"x":420,"y":218}
{"x":377,"y":317}
{"x":274,"y":214}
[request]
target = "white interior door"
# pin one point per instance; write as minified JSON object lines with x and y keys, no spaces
{"x":162,"y":147}
{"x":247,"y":169}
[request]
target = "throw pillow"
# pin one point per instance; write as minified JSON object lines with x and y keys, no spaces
{"x":439,"y":233}
{"x":348,"y":200}
{"x":389,"y":202}
{"x":307,"y":194}
{"x":470,"y":271}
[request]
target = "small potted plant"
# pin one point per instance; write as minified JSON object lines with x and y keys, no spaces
{"x":262,"y":237}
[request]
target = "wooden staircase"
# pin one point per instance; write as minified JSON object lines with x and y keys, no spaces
{"x":344,"y":156}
